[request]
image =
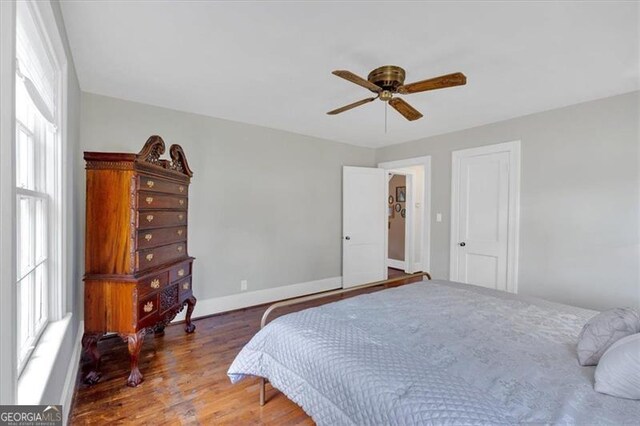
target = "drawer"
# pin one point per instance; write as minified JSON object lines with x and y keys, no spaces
{"x":160,"y":219}
{"x":154,"y":184}
{"x":152,"y":200}
{"x":185,"y":287}
{"x":180,"y":271}
{"x":150,"y":258}
{"x":147,"y":307}
{"x":160,"y":237}
{"x":152,"y":283}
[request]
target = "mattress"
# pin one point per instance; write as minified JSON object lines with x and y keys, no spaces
{"x":433,"y":352}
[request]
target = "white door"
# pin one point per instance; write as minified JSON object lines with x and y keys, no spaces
{"x":484,"y":214}
{"x":364,"y":219}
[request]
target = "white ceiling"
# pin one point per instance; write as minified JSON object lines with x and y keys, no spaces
{"x":270,"y":63}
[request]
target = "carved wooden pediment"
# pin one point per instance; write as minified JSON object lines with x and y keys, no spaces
{"x":153,"y":150}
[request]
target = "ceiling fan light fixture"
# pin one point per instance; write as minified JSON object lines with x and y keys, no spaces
{"x":389,"y":80}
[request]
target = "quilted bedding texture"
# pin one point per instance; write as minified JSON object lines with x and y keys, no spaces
{"x":433,"y":352}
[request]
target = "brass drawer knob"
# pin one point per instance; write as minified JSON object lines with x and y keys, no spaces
{"x":150,"y":183}
{"x":181,"y":273}
{"x":180,"y":216}
{"x":180,"y":231}
{"x":181,"y":188}
{"x":149,"y":200}
{"x":181,"y":201}
{"x":185,"y":285}
{"x":149,"y":218}
{"x":148,"y":237}
{"x":155,"y":283}
{"x":179,"y":248}
{"x":149,"y":257}
{"x":148,"y":307}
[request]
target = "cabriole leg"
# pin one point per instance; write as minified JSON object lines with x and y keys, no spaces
{"x":90,"y":347}
{"x":189,"y":326}
{"x":134,"y":341}
{"x":262,"y":390}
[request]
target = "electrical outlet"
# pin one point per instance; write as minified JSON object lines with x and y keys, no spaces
{"x":243,"y":285}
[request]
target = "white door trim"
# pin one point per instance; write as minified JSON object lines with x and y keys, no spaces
{"x":425,"y":161}
{"x":513,"y":148}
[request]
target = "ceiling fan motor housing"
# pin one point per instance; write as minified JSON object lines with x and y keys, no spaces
{"x":388,"y":77}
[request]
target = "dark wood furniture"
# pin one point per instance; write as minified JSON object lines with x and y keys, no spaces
{"x":137,"y":270}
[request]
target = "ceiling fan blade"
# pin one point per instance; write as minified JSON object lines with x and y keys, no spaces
{"x":444,"y":81}
{"x":348,"y":75}
{"x":409,"y":112}
{"x":350,"y":106}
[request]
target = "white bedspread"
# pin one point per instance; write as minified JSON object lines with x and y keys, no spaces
{"x":433,"y":352}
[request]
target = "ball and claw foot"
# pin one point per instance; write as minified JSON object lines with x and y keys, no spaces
{"x":92,"y":378}
{"x":135,"y":378}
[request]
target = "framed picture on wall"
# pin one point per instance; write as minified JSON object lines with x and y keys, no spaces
{"x":401,"y":194}
{"x":390,"y":199}
{"x":398,"y":207}
{"x":403,"y":212}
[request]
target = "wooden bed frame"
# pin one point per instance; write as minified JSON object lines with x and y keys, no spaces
{"x":316,"y":296}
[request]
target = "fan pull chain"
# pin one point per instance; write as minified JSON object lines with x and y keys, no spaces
{"x":386,"y":107}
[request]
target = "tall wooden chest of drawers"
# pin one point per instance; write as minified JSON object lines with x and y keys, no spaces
{"x":137,"y":269}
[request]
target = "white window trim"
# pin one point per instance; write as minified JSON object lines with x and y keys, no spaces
{"x":8,"y":355}
{"x":58,"y":255}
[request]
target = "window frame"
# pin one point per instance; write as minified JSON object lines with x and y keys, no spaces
{"x":56,"y":176}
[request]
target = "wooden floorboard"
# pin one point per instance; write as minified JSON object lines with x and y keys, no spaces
{"x":185,"y":378}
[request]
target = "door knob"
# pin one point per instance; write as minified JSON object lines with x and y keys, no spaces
{"x":462,"y":244}
{"x":347,"y":237}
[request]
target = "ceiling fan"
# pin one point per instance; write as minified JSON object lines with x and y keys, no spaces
{"x":388,"y":80}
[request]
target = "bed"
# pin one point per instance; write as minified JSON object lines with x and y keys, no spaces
{"x":433,"y":352}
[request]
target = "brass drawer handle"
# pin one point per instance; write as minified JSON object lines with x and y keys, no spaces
{"x":181,"y":273}
{"x":149,"y":200}
{"x":181,"y":201}
{"x":148,"y":307}
{"x":180,"y":231}
{"x":149,"y":257}
{"x":180,"y":216}
{"x":149,"y":218}
{"x":150,"y":183}
{"x":148,"y":237}
{"x":179,"y":248}
{"x":155,"y":283}
{"x":185,"y":285}
{"x":181,"y":188}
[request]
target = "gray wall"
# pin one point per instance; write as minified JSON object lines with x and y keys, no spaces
{"x":265,"y":205}
{"x":579,"y":230}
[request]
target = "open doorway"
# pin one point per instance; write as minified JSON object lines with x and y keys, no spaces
{"x":409,"y":211}
{"x":365,"y":221}
{"x":397,"y":223}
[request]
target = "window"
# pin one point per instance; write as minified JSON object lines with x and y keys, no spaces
{"x":38,"y":184}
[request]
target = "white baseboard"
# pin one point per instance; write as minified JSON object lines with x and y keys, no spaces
{"x":217,"y":305}
{"x":72,"y":373}
{"x":396,"y":264}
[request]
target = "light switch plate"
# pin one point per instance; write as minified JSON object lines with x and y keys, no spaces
{"x":438,"y":217}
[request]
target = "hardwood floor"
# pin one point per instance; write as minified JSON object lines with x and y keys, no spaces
{"x":185,"y":380}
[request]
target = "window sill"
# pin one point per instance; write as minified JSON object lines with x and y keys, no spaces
{"x":35,"y":377}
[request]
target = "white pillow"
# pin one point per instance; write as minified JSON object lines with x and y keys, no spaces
{"x":603,"y":330}
{"x":618,"y":373}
